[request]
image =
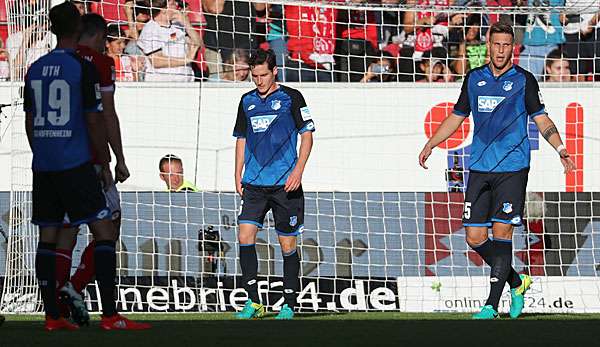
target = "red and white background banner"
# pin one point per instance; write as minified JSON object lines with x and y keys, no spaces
{"x":368,"y":137}
{"x":381,"y":232}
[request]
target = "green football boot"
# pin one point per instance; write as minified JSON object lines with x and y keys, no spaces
{"x":286,"y":313}
{"x":487,"y":312}
{"x":517,"y":296}
{"x":251,"y":310}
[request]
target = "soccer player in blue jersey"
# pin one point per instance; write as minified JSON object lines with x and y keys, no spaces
{"x":269,"y":120}
{"x":63,"y":118}
{"x":502,"y":98}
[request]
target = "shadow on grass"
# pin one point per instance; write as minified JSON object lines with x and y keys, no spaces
{"x":530,"y":332}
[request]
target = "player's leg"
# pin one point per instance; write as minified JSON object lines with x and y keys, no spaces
{"x":254,"y":209}
{"x":288,"y":211}
{"x":501,"y":263}
{"x":476,"y":219}
{"x":86,"y":271}
{"x":68,"y":297}
{"x":45,"y":268}
{"x":509,"y":203}
{"x":64,"y":251}
{"x":66,"y":239}
{"x":291,"y":281}
{"x":48,"y":213}
{"x":249,"y":259}
{"x":86,"y":204}
{"x":478,"y":240}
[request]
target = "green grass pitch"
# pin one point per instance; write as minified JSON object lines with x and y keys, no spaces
{"x":350,"y":329}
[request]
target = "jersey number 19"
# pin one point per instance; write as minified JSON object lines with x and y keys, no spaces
{"x":58,"y":101}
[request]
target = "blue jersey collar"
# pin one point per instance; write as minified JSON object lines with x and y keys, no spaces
{"x":63,"y":50}
{"x":508,"y":72}
{"x":268,"y":95}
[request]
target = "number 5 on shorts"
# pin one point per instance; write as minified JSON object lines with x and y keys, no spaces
{"x":467,"y":211}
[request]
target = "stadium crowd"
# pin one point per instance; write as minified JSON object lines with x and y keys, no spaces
{"x":211,"y":40}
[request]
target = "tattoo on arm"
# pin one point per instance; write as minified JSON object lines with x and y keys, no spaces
{"x":551,"y":130}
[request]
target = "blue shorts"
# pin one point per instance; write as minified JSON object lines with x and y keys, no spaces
{"x":495,"y":197}
{"x":287,"y":207}
{"x":74,"y":192}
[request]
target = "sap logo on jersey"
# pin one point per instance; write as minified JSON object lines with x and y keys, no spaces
{"x":488,"y":103}
{"x":260,"y":124}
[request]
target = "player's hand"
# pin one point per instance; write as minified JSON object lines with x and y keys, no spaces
{"x":294,"y":180}
{"x":565,"y":160}
{"x":121,"y":172}
{"x":106,"y":178}
{"x":424,"y":155}
{"x":238,"y":186}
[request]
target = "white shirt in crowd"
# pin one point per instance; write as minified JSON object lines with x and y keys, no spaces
{"x":31,"y":54}
{"x":582,"y":13}
{"x":170,"y":41}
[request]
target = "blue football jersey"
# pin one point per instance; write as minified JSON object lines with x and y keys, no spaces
{"x":501,"y":108}
{"x":60,"y":88}
{"x":271,"y":127}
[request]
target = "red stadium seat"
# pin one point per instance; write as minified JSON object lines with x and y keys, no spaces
{"x":3,"y":34}
{"x":3,"y":14}
{"x":111,"y":10}
{"x":3,"y":23}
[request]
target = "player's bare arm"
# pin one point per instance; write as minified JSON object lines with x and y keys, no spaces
{"x":240,"y":146}
{"x":295,"y":179}
{"x":550,"y":133}
{"x":98,"y":140}
{"x":113,"y":134}
{"x":446,"y":129}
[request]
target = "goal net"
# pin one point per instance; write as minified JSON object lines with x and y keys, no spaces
{"x":380,"y":232}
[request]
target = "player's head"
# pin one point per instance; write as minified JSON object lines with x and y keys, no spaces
{"x":93,"y":31}
{"x":557,"y":67}
{"x":264,"y":70}
{"x":171,"y":171}
{"x":65,"y":21}
{"x":501,"y":44}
